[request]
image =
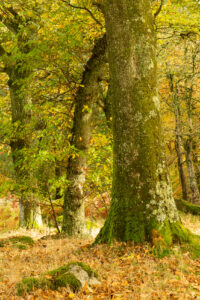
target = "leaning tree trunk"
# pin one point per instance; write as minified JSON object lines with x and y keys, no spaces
{"x":29,"y":214}
{"x":73,"y":210}
{"x":142,"y":200}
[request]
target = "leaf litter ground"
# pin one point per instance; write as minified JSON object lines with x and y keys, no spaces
{"x":127,"y":271}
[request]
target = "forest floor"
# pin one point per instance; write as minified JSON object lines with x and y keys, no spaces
{"x":126,"y":271}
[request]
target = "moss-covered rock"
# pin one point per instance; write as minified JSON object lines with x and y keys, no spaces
{"x":68,"y":279}
{"x":21,"y":242}
{"x":20,"y":246}
{"x":31,"y":283}
{"x":73,"y":275}
{"x":86,"y":268}
{"x":22,"y":239}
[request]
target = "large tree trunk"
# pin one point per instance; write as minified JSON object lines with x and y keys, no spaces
{"x":142,"y":200}
{"x":73,"y":210}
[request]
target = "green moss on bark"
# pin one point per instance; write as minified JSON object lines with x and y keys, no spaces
{"x":187,"y":207}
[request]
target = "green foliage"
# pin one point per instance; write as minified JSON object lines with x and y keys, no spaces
{"x":9,"y":218}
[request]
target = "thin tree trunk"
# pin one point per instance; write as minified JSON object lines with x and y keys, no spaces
{"x":181,"y":169}
{"x":88,"y":92}
{"x":191,"y":173}
{"x":178,"y":138}
{"x":189,"y":147}
{"x":189,"y":142}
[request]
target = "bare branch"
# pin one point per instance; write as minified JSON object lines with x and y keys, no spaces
{"x":86,"y":9}
{"x":159,"y":9}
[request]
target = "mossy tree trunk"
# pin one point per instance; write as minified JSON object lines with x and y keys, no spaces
{"x":142,"y":199}
{"x":19,"y":72}
{"x":87,"y":94}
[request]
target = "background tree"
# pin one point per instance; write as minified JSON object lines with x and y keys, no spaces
{"x":17,"y":67}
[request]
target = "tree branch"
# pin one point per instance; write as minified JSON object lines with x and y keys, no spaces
{"x":12,"y":26}
{"x":159,"y":9}
{"x":86,"y":9}
{"x":2,"y":51}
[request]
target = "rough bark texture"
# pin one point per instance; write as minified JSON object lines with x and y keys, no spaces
{"x":108,"y":107}
{"x":73,"y":211}
{"x":142,"y":199}
{"x":188,"y":97}
{"x":181,"y":169}
{"x":191,"y":173}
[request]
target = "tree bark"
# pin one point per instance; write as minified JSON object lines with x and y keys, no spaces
{"x":88,"y":92}
{"x":191,"y":173}
{"x":142,"y":199}
{"x":30,"y":213}
{"x":19,"y":72}
{"x":178,"y":138}
{"x":189,"y":147}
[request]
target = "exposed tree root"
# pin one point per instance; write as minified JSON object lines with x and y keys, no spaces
{"x":187,"y":207}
